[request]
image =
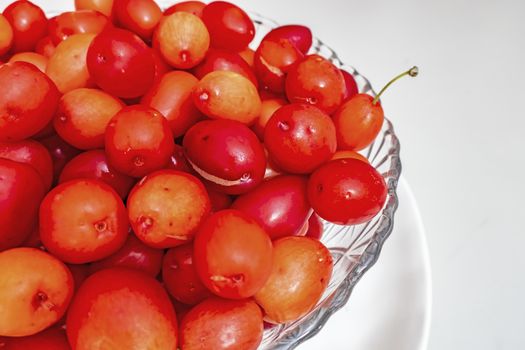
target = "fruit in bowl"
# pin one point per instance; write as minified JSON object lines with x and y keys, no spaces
{"x":194,"y":178}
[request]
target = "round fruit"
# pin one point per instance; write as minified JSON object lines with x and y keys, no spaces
{"x":82,"y":221}
{"x":167,"y":207}
{"x":51,"y":339}
{"x":347,"y":191}
{"x":29,"y":24}
{"x":103,"y":6}
{"x":233,"y":254}
{"x":193,"y":7}
{"x":302,"y":268}
{"x":139,"y":16}
{"x":61,"y":152}
{"x":77,"y":22}
{"x":121,"y":309}
{"x":222,"y":324}
{"x":39,"y":61}
{"x":6,"y":35}
{"x":299,"y":36}
{"x":35,"y":291}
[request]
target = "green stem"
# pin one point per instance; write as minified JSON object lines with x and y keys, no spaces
{"x":413,"y":72}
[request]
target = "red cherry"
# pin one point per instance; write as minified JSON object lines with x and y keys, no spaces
{"x":29,"y":24}
{"x":193,"y":7}
{"x":298,"y":35}
{"x":61,"y":152}
{"x":139,"y":16}
{"x":315,"y":227}
{"x":76,"y":22}
{"x":351,"y":85}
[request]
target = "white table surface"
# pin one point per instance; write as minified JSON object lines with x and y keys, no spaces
{"x":461,"y":124}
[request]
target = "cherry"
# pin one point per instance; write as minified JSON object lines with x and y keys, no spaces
{"x":280,"y":205}
{"x":229,"y":26}
{"x":316,"y":81}
{"x":315,"y":227}
{"x":299,"y":138}
{"x":28,"y":22}
{"x":347,"y":191}
{"x":6,"y":35}
{"x":178,"y":160}
{"x":53,"y":338}
{"x":193,"y":7}
{"x":350,"y":154}
{"x":268,"y":108}
{"x":39,"y":61}
{"x":76,"y":22}
{"x":300,"y":36}
{"x":233,"y":254}
{"x":139,"y":16}
{"x":45,"y":47}
{"x":359,"y":120}
{"x":103,"y":6}
{"x":226,"y":154}
{"x":351,"y":85}
{"x":61,"y":152}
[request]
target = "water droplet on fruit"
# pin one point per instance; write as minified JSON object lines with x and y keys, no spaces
{"x":204,"y":96}
{"x":62,"y":118}
{"x":138,"y":161}
{"x":284,"y":126}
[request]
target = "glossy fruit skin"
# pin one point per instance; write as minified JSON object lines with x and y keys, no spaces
{"x":172,"y":96}
{"x":35,"y":59}
{"x":316,"y":81}
{"x":298,"y":35}
{"x":138,"y":141}
{"x":280,"y":205}
{"x":272,"y":61}
{"x":227,"y":95}
{"x":167,"y":207}
{"x":67,"y":67}
{"x":35,"y":291}
{"x":233,"y":254}
{"x":21,"y":191}
{"x":219,"y":200}
{"x":50,"y":339}
{"x":182,"y":39}
{"x":133,"y":255}
{"x":315,"y":227}
{"x":229,"y":26}
{"x":268,"y":108}
{"x":77,"y":22}
{"x":299,"y":138}
{"x":103,"y":6}
{"x":61,"y":152}
{"x":127,"y":308}
{"x":358,"y":122}
{"x":302,"y":268}
{"x":28,"y":100}
{"x":29,"y":24}
{"x":94,"y":165}
{"x":6,"y":35}
{"x":248,"y":55}
{"x":139,"y":16}
{"x":32,"y":153}
{"x":180,"y":276}
{"x":222,"y":325}
{"x":226,"y":154}
{"x":349,"y":154}
{"x":121,"y":63}
{"x":347,"y":191}
{"x":82,"y":221}
{"x":351,"y":86}
{"x":45,"y":46}
{"x":193,"y":7}
{"x":83,"y":115}
{"x":178,"y":160}
{"x":224,"y":60}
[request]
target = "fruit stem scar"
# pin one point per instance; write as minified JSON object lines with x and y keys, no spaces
{"x":413,"y":72}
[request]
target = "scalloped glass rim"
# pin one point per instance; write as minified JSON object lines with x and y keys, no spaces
{"x":355,"y":248}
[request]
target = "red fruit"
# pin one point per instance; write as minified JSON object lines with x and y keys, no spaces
{"x":121,"y":309}
{"x":139,"y":16}
{"x":316,"y":81}
{"x":349,"y":154}
{"x":172,"y":96}
{"x":35,"y":59}
{"x":133,"y":255}
{"x":298,"y":35}
{"x":31,"y":153}
{"x":233,"y":254}
{"x":299,"y":138}
{"x":272,"y":61}
{"x":223,"y":60}
{"x":61,"y":152}
{"x":138,"y":141}
{"x":248,"y":55}
{"x":6,"y":35}
{"x":29,"y":24}
{"x":222,"y":324}
{"x":302,"y":268}
{"x":77,"y":22}
{"x":347,"y":191}
{"x":219,"y":200}
{"x":21,"y":191}
{"x":315,"y":227}
{"x":280,"y":205}
{"x":178,"y":160}
{"x":82,"y":221}
{"x":103,"y":6}
{"x":121,"y":63}
{"x":94,"y":165}
{"x":358,"y":122}
{"x":193,"y":7}
{"x":51,"y":339}
{"x":351,"y":85}
{"x":180,"y":277}
{"x":28,"y":101}
{"x":229,"y":26}
{"x":226,"y":154}
{"x":167,"y":207}
{"x":35,"y":291}
{"x":268,"y":108}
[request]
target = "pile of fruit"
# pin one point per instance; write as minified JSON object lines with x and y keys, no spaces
{"x":161,"y":183}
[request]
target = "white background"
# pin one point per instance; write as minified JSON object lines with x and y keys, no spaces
{"x":461,"y":125}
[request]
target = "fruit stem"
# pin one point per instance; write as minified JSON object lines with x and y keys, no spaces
{"x":413,"y":72}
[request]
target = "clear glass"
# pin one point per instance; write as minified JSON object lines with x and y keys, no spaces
{"x":355,"y":248}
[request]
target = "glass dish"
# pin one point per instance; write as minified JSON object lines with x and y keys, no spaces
{"x":355,"y":248}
